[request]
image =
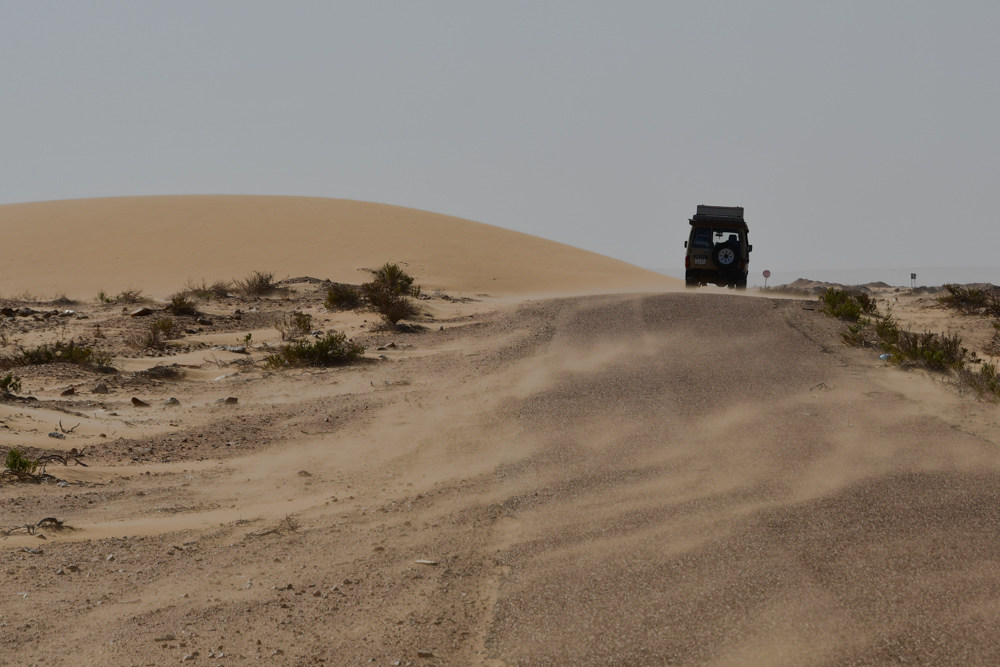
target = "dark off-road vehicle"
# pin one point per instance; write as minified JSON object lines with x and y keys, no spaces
{"x":718,"y":249}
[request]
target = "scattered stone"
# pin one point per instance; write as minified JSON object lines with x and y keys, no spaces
{"x":68,"y":392}
{"x":223,"y":377}
{"x":66,"y":313}
{"x":139,"y":403}
{"x":426,"y":562}
{"x":57,"y":435}
{"x":63,"y":484}
{"x":8,"y":312}
{"x":425,"y":654}
{"x":173,"y":402}
{"x":26,"y":312}
{"x":232,"y":400}
{"x":204,"y":321}
{"x":304,"y":473}
{"x":101,"y":388}
{"x":29,"y":550}
{"x":59,"y":571}
{"x":73,"y":568}
{"x":110,"y":558}
{"x":141,"y":312}
{"x":390,"y":346}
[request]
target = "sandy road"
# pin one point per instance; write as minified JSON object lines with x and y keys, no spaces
{"x":672,"y":479}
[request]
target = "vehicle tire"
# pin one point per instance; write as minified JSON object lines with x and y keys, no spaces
{"x":726,"y":256}
{"x":741,"y":284}
{"x":690,"y":284}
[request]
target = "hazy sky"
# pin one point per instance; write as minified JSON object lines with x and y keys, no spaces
{"x":855,"y":134}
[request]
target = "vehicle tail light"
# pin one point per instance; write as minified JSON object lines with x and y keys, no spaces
{"x":687,"y":262}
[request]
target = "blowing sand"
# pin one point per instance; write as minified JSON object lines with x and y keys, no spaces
{"x":641,"y":477}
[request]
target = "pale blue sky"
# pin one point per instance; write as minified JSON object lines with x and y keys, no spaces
{"x":856,"y":134}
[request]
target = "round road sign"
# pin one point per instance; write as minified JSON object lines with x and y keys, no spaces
{"x":767,"y":274}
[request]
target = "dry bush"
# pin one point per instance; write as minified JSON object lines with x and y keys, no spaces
{"x":49,"y":353}
{"x":290,"y":328}
{"x":390,"y":294}
{"x":332,"y":350}
{"x":343,"y":297}
{"x":217,"y":290}
{"x":181,"y":304}
{"x":154,"y":335}
{"x":257,"y":283}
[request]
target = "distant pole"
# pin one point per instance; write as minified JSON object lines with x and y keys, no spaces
{"x":913,"y":281}
{"x":767,"y":274}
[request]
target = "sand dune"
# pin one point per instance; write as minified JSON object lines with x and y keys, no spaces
{"x":156,"y":243}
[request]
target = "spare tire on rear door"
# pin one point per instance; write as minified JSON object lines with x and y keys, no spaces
{"x":726,"y":256}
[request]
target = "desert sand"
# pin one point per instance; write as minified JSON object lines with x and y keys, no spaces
{"x":569,"y":461}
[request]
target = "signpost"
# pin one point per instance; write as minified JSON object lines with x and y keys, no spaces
{"x":767,"y":274}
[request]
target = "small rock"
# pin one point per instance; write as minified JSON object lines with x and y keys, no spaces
{"x":390,"y":346}
{"x":7,"y":312}
{"x":140,"y":312}
{"x":68,"y":392}
{"x":26,"y":312}
{"x":139,"y":403}
{"x":425,"y":654}
{"x":426,"y":562}
{"x":73,"y":568}
{"x":57,"y":435}
{"x":232,"y":400}
{"x":171,"y":402}
{"x":187,"y":658}
{"x":59,"y":571}
{"x":110,"y":558}
{"x":304,"y":473}
{"x":63,"y":484}
{"x":204,"y":321}
{"x":101,"y":388}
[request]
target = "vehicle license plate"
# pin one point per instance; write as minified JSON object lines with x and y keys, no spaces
{"x":700,"y":260}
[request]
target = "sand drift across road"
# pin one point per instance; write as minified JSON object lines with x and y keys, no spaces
{"x":628,"y":479}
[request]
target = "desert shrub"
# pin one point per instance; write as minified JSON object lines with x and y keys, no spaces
{"x":48,"y":353}
{"x":985,"y":381}
{"x":290,"y":328}
{"x":332,"y":350}
{"x":18,"y":464}
{"x":840,"y":304}
{"x":855,"y":334}
{"x":993,"y":346}
{"x":206,"y":292}
{"x":125,"y":296}
{"x":392,"y":277}
{"x":389,"y":294}
{"x":257,"y":283}
{"x":887,"y":329}
{"x":154,"y":335}
{"x":343,"y":297}
{"x":967,"y":300}
{"x":9,"y":384}
{"x":181,"y":304}
{"x":933,"y":351}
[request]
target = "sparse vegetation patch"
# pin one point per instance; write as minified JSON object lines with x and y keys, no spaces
{"x":971,"y":300}
{"x":331,"y":350}
{"x":60,"y":351}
